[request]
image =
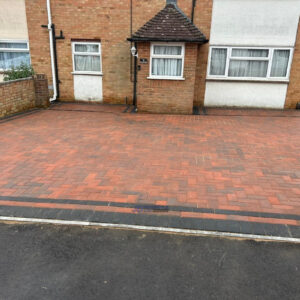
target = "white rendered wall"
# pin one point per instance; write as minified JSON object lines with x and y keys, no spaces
{"x":255,"y":22}
{"x":88,"y":87}
{"x":13,"y":23}
{"x":245,"y":94}
{"x":251,"y":23}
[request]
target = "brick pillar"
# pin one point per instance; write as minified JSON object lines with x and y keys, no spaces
{"x":41,"y":90}
{"x":293,"y":93}
{"x":202,"y":19}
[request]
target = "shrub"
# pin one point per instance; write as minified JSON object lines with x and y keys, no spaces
{"x":23,"y":71}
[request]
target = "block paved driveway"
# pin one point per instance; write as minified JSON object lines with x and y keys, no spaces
{"x":220,"y":170}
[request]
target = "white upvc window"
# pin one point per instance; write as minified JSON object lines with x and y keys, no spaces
{"x":13,"y":53}
{"x":249,"y":63}
{"x":167,"y":61}
{"x":87,"y":58}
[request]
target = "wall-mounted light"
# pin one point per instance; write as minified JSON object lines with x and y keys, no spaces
{"x":134,"y":51}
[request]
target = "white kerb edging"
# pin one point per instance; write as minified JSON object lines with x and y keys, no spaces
{"x":156,"y":229}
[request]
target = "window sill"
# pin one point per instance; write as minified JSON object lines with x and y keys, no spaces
{"x":262,"y":80}
{"x":87,"y":73}
{"x":165,"y":78}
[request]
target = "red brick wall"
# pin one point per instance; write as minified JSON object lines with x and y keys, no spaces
{"x":167,"y":96}
{"x":38,"y":37}
{"x":203,"y":18}
{"x":108,"y":20}
{"x":41,"y":90}
{"x":23,"y":94}
{"x":293,"y":94}
{"x":16,"y":96}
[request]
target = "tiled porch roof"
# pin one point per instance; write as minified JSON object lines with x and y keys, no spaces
{"x":169,"y":25}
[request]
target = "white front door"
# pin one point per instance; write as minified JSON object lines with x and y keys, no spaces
{"x":87,"y":71}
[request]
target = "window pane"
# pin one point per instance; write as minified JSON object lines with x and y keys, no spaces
{"x":86,"y":48}
{"x":13,"y":59}
{"x":87,"y":63}
{"x":218,"y":61}
{"x":280,"y":63}
{"x":167,"y":50}
{"x":166,"y":67}
{"x":13,"y":45}
{"x":250,"y":53}
{"x":248,"y":68}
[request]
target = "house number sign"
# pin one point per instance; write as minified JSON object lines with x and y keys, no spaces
{"x":143,"y":60}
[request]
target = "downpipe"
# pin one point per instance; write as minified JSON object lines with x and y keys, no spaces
{"x":50,"y":29}
{"x":135,"y":81}
{"x":193,"y":11}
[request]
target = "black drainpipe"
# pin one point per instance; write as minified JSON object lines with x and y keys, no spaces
{"x":60,"y":37}
{"x":193,"y":10}
{"x":135,"y":79}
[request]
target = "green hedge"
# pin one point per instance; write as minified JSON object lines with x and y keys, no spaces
{"x":23,"y":71}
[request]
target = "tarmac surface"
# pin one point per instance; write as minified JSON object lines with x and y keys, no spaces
{"x":60,"y":262}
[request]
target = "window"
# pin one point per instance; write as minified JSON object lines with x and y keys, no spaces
{"x":13,"y":54}
{"x":167,"y":61}
{"x":87,"y":58}
{"x":249,"y":63}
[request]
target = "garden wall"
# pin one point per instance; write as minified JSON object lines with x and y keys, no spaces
{"x":23,"y":94}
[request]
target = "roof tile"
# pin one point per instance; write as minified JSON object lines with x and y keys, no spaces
{"x":169,"y":25}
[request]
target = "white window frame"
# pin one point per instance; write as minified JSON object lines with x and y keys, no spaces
{"x":152,"y":55}
{"x":24,"y":50}
{"x":269,"y":59}
{"x":99,"y":53}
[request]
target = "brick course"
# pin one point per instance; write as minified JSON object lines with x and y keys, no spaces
{"x":23,"y":94}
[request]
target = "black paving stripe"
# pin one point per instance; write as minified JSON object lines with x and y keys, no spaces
{"x":167,"y":221}
{"x":152,"y":207}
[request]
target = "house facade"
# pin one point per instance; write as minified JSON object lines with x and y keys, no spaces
{"x":185,"y":53}
{"x":14,"y":45}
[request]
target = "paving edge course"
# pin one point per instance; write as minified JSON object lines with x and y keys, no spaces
{"x":183,"y":218}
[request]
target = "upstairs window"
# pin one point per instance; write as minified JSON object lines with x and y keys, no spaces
{"x":13,"y":54}
{"x":167,"y":61}
{"x":249,"y":63}
{"x":87,"y":57}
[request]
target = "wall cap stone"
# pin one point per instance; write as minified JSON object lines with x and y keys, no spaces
{"x":17,"y":80}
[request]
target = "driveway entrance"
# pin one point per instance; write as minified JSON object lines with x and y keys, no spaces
{"x":234,"y":166}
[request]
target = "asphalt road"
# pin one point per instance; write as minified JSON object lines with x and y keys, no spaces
{"x":58,"y":262}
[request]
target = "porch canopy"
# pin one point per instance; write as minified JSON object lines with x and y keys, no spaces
{"x":169,"y":25}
